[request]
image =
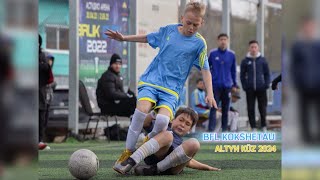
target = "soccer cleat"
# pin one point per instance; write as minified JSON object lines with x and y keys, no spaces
{"x":42,"y":145}
{"x":146,"y":170}
{"x":125,"y":166}
{"x":124,"y":156}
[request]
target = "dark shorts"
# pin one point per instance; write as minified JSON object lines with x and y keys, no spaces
{"x":153,"y":159}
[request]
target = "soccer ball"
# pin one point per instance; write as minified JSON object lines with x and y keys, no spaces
{"x":83,"y":164}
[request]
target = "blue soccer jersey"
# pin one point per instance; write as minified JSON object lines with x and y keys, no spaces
{"x":198,"y":102}
{"x":177,"y":54}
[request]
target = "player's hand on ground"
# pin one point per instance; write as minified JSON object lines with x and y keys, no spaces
{"x":114,"y":35}
{"x":211,"y":102}
{"x":214,"y":169}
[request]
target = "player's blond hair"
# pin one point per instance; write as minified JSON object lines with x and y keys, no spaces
{"x":197,"y":8}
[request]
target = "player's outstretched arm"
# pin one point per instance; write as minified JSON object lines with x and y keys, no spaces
{"x":206,"y":74}
{"x":194,"y":164}
{"x":120,"y":37}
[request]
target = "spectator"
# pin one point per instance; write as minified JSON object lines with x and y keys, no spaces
{"x":223,"y":65}
{"x":44,"y":79}
{"x":198,"y":102}
{"x":255,"y":79}
{"x":50,"y":86}
{"x":306,"y":78}
{"x":233,"y":114}
{"x":6,"y":76}
{"x":112,"y":100}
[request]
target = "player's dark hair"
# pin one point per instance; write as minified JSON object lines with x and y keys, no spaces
{"x":253,"y":42}
{"x":190,"y":112}
{"x":223,"y":35}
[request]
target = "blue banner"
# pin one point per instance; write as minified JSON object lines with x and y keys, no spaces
{"x":95,"y":49}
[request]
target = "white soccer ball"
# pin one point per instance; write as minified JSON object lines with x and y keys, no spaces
{"x":83,"y":164}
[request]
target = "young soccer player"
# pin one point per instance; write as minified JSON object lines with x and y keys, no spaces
{"x":166,"y":153}
{"x":180,"y":47}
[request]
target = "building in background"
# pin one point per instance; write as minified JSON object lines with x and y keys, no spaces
{"x":53,"y":26}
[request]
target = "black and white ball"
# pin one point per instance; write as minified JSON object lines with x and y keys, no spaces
{"x":83,"y":164}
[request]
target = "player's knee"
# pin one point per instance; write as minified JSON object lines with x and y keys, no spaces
{"x":143,"y":109}
{"x":144,"y":106}
{"x":166,"y":136}
{"x":191,"y":146}
{"x":195,"y":144}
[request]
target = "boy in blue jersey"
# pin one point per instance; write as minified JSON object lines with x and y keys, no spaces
{"x":180,"y":47}
{"x":167,"y":153}
{"x":198,"y":100}
{"x":223,"y":69}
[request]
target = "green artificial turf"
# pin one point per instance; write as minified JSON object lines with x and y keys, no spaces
{"x":53,"y":163}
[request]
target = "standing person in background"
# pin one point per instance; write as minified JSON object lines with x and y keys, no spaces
{"x":50,"y":86}
{"x":233,"y":114}
{"x":6,"y":76}
{"x":223,"y":65}
{"x":44,"y":79}
{"x":305,"y":75}
{"x":255,"y":79}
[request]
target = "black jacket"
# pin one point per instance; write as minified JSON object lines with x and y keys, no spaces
{"x":254,"y":73}
{"x":110,"y":88}
{"x":44,"y":75}
{"x":305,"y":66}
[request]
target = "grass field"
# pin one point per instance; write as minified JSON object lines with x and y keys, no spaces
{"x":53,"y":163}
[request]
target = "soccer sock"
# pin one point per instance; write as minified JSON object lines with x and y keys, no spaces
{"x":135,"y":129}
{"x":148,"y":148}
{"x":153,"y":114}
{"x":160,"y":124}
{"x":175,"y":158}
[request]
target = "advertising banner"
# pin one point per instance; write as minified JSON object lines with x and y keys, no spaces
{"x":95,"y":49}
